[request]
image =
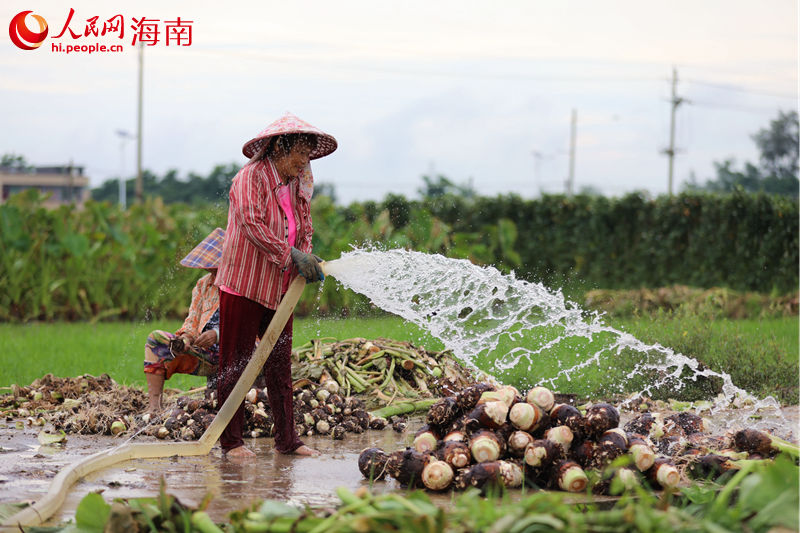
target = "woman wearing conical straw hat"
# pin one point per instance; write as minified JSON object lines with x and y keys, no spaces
{"x":268,"y":242}
{"x":193,"y":349}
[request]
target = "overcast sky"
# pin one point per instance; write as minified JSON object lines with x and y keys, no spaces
{"x":472,"y":90}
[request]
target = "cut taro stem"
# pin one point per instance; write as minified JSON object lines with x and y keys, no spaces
{"x":518,"y":442}
{"x":512,"y":474}
{"x":643,"y":455}
{"x":541,"y":453}
{"x":525,"y":416}
{"x":485,"y":446}
{"x":561,"y":435}
{"x":627,"y":477}
{"x":437,"y":475}
{"x":664,"y":474}
{"x":425,"y":442}
{"x":491,"y":415}
{"x":542,"y":397}
{"x":571,"y":477}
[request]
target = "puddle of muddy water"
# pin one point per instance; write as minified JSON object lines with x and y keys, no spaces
{"x":26,"y":470}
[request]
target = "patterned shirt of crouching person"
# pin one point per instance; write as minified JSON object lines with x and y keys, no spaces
{"x":163,"y":357}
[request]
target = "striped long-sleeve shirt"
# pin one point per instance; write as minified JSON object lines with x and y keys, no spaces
{"x":256,"y":252}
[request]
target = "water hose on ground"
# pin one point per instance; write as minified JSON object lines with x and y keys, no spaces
{"x":44,"y":508}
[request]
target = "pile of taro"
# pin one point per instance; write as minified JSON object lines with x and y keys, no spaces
{"x":85,"y":405}
{"x":318,"y":409}
{"x":494,"y":437}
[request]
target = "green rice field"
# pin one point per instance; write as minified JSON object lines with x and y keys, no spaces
{"x":760,"y":355}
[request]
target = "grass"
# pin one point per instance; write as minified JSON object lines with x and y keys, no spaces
{"x":760,"y":355}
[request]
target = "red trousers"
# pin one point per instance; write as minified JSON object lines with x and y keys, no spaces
{"x":241,"y":321}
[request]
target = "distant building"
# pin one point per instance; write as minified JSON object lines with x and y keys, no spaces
{"x":65,"y":184}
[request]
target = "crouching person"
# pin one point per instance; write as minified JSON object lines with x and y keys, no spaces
{"x":194,"y":348}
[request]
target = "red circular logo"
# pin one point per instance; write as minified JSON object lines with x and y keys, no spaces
{"x":22,"y":36}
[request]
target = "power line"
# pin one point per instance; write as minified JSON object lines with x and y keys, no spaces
{"x":741,"y":89}
{"x":733,"y":107}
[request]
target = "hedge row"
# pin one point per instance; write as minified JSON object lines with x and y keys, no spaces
{"x":101,"y":262}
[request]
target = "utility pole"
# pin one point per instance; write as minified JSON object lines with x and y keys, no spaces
{"x":675,"y":101}
{"x":572,"y":134}
{"x":139,"y":186}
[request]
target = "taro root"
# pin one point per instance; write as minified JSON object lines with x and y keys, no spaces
{"x":616,"y":437}
{"x":583,"y":452}
{"x":508,"y":394}
{"x":570,"y":476}
{"x":755,"y":441}
{"x":437,"y":475}
{"x":561,"y":435}
{"x":672,"y":428}
{"x":689,"y":422}
{"x":322,"y":427}
{"x":338,"y":432}
{"x":525,"y":416}
{"x":564,"y":414}
{"x":482,"y":476}
{"x":443,"y":412}
{"x":162,"y":433}
{"x":542,"y":453}
{"x":372,"y":463}
{"x":468,"y":397}
{"x":406,"y":467}
{"x":511,"y":474}
{"x":251,"y":396}
{"x":642,"y":453}
{"x":485,"y":446}
{"x":117,"y":427}
{"x":363,"y":418}
{"x":456,"y":436}
{"x":542,"y":397}
{"x":711,"y":466}
{"x":601,"y":417}
{"x":456,"y":454}
{"x":612,"y":444}
{"x":616,"y":481}
{"x":672,"y":445}
{"x":260,"y":419}
{"x":518,"y":441}
{"x":377,"y":422}
{"x":647,"y":425}
{"x":399,"y":425}
{"x":663,"y":474}
{"x":331,"y":386}
{"x":172,"y":424}
{"x":489,"y":415}
{"x":207,"y":420}
{"x":322,"y":394}
{"x":425,"y":439}
{"x":492,"y":474}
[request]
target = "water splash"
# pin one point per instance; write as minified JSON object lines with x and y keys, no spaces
{"x":511,"y":327}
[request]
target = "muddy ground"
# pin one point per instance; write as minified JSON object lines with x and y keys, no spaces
{"x":27,"y":468}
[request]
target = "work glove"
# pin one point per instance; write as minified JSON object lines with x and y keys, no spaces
{"x":308,"y":265}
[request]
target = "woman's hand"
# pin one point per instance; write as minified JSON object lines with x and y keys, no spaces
{"x":308,"y":265}
{"x":206,"y":339}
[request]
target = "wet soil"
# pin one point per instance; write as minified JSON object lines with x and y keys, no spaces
{"x":26,"y":470}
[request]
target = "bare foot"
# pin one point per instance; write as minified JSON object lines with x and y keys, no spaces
{"x":305,"y":450}
{"x":240,"y":453}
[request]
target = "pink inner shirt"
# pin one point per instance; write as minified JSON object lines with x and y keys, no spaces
{"x":285,"y":201}
{"x":284,"y":198}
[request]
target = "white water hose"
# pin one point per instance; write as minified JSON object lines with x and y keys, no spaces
{"x":43,"y":509}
